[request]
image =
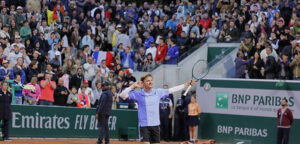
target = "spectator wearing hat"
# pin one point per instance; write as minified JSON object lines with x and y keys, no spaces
{"x":129,"y":78}
{"x":115,"y":35}
{"x":61,"y":94}
{"x":47,"y":90}
{"x":54,"y":53}
{"x":14,"y":55}
{"x":88,"y":91}
{"x":295,"y":65}
{"x":20,"y":18}
{"x":4,"y":70}
{"x":173,"y":52}
{"x":103,"y":111}
{"x":247,"y":46}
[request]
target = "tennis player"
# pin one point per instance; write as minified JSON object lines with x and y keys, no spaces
{"x":148,"y":106}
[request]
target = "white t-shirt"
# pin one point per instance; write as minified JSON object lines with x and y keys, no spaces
{"x":151,"y":50}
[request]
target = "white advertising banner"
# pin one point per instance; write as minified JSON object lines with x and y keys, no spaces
{"x":249,"y":102}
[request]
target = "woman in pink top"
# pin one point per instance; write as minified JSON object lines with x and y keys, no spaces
{"x":32,"y":96}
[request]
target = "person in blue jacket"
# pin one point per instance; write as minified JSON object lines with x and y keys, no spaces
{"x":4,"y":70}
{"x":173,"y":52}
{"x":127,"y":58}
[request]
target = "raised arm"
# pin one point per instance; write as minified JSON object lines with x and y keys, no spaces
{"x":181,"y":87}
{"x":124,"y":94}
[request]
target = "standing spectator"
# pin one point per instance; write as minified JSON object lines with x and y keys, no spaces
{"x":88,"y":40}
{"x":18,"y":93}
{"x":124,"y":39}
{"x":14,"y":55}
{"x":152,"y":50}
{"x":270,"y":71}
{"x":161,"y":51}
{"x":247,"y":46}
{"x":140,"y":58}
{"x":47,"y":90}
{"x":127,"y":58}
{"x":295,"y":65}
{"x":103,"y":112}
{"x":61,"y":93}
{"x":240,"y":65}
{"x":5,"y":111}
{"x":20,"y":18}
{"x":5,"y":20}
{"x":232,"y":32}
{"x":148,"y":40}
{"x":283,"y":66}
{"x":132,"y":30}
{"x":173,"y":52}
{"x":255,"y":66}
{"x":182,"y":42}
{"x":284,"y":121}
{"x":97,"y":91}
{"x":89,"y":68}
{"x":172,"y":23}
{"x":77,"y":79}
{"x":213,"y":33}
{"x":32,"y":96}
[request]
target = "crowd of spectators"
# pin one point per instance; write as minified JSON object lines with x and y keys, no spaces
{"x":62,"y":47}
{"x":61,"y":51}
{"x":270,"y":39}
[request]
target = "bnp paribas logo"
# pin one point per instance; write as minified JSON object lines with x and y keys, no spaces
{"x":222,"y":100}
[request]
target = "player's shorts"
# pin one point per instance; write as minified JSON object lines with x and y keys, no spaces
{"x":150,"y":134}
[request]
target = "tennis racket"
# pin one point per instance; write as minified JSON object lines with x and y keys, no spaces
{"x":200,"y":70}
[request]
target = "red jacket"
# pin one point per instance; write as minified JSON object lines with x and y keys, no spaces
{"x":287,"y":118}
{"x":205,"y":23}
{"x":161,"y":52}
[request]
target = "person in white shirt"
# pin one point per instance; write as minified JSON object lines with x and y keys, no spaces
{"x":104,"y":69}
{"x":152,"y":50}
{"x":90,"y":69}
{"x":14,"y":55}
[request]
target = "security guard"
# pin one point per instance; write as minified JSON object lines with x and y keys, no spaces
{"x":165,"y":112}
{"x":103,"y":112}
{"x":5,"y":112}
